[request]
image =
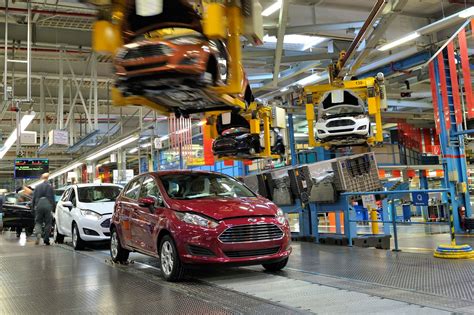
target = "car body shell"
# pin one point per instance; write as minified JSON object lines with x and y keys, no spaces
{"x":17,"y":212}
{"x":140,"y":229}
{"x":241,"y":144}
{"x":350,"y":125}
{"x":65,"y":217}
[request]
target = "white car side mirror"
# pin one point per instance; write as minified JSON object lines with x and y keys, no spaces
{"x":68,"y":204}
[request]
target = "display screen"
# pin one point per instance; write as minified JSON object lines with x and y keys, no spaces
{"x":31,"y":168}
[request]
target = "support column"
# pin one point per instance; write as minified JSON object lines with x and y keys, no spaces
{"x":292,"y":142}
{"x":452,"y":146}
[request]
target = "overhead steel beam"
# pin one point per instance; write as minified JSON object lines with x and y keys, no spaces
{"x":314,"y":28}
{"x":280,"y":40}
{"x":289,"y":74}
{"x":411,"y":104}
{"x":379,"y":30}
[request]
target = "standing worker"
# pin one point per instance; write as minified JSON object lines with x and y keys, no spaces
{"x":42,"y":205}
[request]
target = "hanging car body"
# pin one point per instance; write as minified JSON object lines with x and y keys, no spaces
{"x":342,"y":121}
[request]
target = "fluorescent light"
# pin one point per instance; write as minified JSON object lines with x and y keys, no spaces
{"x":201,"y":123}
{"x":112,"y":148}
{"x":308,"y":80}
{"x":134,"y":150}
{"x":306,"y":41}
{"x":164,"y":138}
{"x":59,"y":172}
{"x":272,"y":9}
{"x":464,"y":14}
{"x":24,"y":122}
{"x":286,"y":88}
{"x":400,"y":41}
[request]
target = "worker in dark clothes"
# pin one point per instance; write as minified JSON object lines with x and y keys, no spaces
{"x":42,"y":204}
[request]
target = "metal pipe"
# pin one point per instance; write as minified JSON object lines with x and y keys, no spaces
{"x":378,"y":7}
{"x":28,"y":53}
{"x":46,"y":12}
{"x":5,"y":68}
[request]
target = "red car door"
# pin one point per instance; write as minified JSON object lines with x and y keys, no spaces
{"x":147,"y":215}
{"x":126,"y":208}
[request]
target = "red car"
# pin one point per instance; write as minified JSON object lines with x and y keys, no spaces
{"x":188,"y":218}
{"x":167,"y":59}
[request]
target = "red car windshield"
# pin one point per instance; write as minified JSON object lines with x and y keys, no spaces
{"x":194,"y":186}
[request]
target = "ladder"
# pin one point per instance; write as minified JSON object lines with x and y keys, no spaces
{"x":27,"y":61}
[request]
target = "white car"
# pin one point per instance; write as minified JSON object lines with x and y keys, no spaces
{"x":84,"y":212}
{"x":342,"y":120}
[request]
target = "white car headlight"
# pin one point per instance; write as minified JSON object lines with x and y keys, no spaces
{"x":280,"y":216}
{"x":196,"y":219}
{"x":91,"y":214}
{"x":186,"y":41}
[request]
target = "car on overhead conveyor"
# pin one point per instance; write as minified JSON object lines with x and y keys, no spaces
{"x":187,"y":218}
{"x":84,"y":213}
{"x":167,"y":59}
{"x":342,"y":120}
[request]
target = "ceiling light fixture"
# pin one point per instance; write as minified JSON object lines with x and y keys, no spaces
{"x":272,"y":9}
{"x":58,"y":173}
{"x":112,"y":148}
{"x":308,"y":80}
{"x":467,"y":13}
{"x":24,"y":122}
{"x":306,"y":41}
{"x":400,"y":41}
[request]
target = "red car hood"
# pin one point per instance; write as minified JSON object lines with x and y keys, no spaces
{"x":225,"y":208}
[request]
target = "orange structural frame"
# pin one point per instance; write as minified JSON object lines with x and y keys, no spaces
{"x":444,"y":91}
{"x":454,"y":83}
{"x":466,"y":71}
{"x":434,"y":94}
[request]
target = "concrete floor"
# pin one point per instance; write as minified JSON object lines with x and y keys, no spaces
{"x":319,"y":279}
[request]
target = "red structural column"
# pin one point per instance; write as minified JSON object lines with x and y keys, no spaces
{"x":444,"y":90}
{"x":434,"y":95}
{"x":466,"y":72}
{"x":454,"y":83}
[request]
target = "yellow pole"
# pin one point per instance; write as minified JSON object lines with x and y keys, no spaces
{"x":266,"y":134}
{"x":373,"y":218}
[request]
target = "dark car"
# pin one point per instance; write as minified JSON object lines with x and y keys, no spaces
{"x":17,"y":213}
{"x":238,"y":142}
{"x":190,"y":218}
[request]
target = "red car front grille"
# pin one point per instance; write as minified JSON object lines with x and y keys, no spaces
{"x":147,"y":51}
{"x":253,"y":252}
{"x":251,"y":233}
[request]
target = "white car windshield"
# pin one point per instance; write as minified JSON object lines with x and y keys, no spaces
{"x":343,"y":109}
{"x":194,"y":186}
{"x":98,"y":194}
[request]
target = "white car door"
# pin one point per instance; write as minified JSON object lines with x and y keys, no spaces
{"x":68,"y":213}
{"x":61,"y":210}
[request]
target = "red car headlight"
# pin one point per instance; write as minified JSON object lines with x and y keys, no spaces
{"x":195,"y":219}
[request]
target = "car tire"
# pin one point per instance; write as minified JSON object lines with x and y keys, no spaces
{"x":117,"y":252}
{"x":58,"y":238}
{"x":273,"y":267}
{"x":171,"y":267}
{"x":77,"y":241}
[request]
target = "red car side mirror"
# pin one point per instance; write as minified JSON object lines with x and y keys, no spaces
{"x":146,"y":202}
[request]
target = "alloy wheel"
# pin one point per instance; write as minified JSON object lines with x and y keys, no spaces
{"x":167,"y":258}
{"x":74,"y":236}
{"x":114,"y":245}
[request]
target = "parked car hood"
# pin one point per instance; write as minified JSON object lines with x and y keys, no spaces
{"x":99,"y":207}
{"x":224,"y":208}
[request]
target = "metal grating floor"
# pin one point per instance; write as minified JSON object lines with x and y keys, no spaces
{"x":55,"y":280}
